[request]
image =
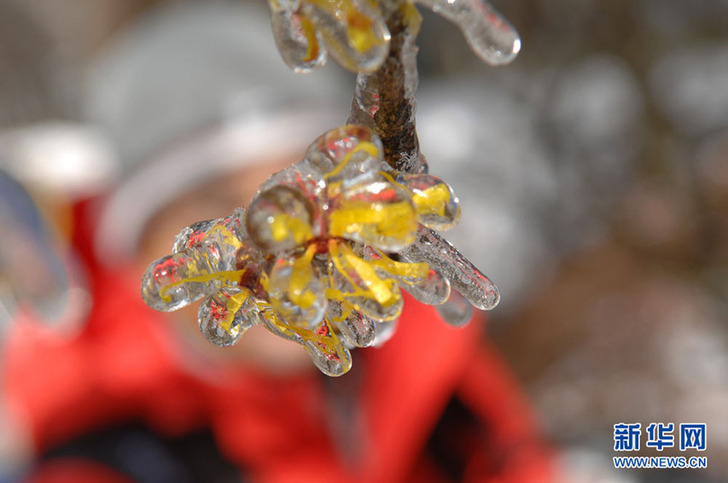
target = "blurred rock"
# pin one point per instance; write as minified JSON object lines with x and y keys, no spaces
{"x":536,"y":174}
{"x":592,"y":122}
{"x":689,"y":86}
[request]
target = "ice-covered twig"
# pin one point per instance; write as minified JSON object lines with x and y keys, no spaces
{"x":323,"y":251}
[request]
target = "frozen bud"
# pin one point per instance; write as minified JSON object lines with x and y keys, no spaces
{"x":327,"y":352}
{"x":379,"y":213}
{"x":296,"y":292}
{"x":296,"y":37}
{"x":357,"y":282}
{"x":354,"y":329}
{"x":437,"y":206}
{"x":280,"y":219}
{"x":177,"y":280}
{"x":346,"y":155}
{"x":226,"y":315}
{"x":353,"y":31}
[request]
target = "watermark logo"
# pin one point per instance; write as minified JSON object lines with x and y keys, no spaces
{"x":627,"y":436}
{"x":692,"y":436}
{"x":664,"y":462}
{"x":660,"y":436}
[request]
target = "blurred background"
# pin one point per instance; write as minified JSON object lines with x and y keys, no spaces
{"x":593,"y":174}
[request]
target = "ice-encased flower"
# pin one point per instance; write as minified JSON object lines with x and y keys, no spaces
{"x":355,"y":33}
{"x":320,"y":255}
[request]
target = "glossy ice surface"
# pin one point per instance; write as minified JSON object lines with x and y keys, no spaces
{"x":355,"y":32}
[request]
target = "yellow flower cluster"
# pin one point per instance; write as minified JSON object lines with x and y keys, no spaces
{"x":311,"y":258}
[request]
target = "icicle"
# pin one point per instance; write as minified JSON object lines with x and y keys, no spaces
{"x":354,"y":328}
{"x":456,"y":310}
{"x":434,"y":250}
{"x":226,"y":315}
{"x":329,"y":355}
{"x":490,"y":36}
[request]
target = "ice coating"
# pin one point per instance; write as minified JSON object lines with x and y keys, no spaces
{"x":178,"y":280}
{"x":356,"y":282}
{"x":296,"y":39}
{"x":327,"y":352}
{"x":322,"y":254}
{"x":356,"y":33}
{"x":379,"y":213}
{"x":490,"y":36}
{"x":354,"y":328}
{"x":353,"y":32}
{"x":226,"y":315}
{"x":456,"y":310}
{"x":385,"y":100}
{"x":437,"y":204}
{"x":280,"y":219}
{"x":345,"y":156}
{"x":439,"y":253}
{"x":203,"y":259}
{"x":432,"y":290}
{"x":295,"y":291}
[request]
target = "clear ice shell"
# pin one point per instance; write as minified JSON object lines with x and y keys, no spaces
{"x":456,"y":311}
{"x":226,"y":315}
{"x":296,"y":38}
{"x":192,"y":235}
{"x":219,"y":238}
{"x":377,"y":298}
{"x":353,"y":31}
{"x":491,"y":37}
{"x":296,"y":293}
{"x":203,"y":259}
{"x":354,"y":329}
{"x":366,"y":94}
{"x":379,"y":213}
{"x":423,"y":283}
{"x":434,"y":250}
{"x":437,"y":206}
{"x":327,"y":352}
{"x":177,"y":280}
{"x":276,"y":325}
{"x":385,"y":331}
{"x":279,"y":219}
{"x":433,"y":290}
{"x":354,"y":150}
{"x":321,"y":343}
